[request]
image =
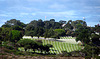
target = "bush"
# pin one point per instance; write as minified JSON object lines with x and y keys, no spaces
{"x":40,"y":41}
{"x":0,"y":45}
{"x":87,"y":57}
{"x":6,"y":45}
{"x":18,"y":53}
{"x":64,"y":53}
{"x":15,"y":35}
{"x":97,"y":57}
{"x":9,"y":47}
{"x":28,"y":44}
{"x":8,"y":51}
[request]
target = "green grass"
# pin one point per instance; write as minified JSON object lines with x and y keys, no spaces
{"x":58,"y":47}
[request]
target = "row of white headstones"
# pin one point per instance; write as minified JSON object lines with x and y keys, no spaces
{"x":57,"y":47}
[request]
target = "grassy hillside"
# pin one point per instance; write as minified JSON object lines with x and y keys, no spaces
{"x":58,"y":47}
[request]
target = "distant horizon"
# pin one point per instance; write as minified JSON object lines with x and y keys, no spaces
{"x":49,"y":20}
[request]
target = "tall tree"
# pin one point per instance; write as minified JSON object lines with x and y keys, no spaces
{"x":52,"y":20}
{"x":13,"y":22}
{"x":59,"y":32}
{"x":83,"y":36}
{"x":62,"y":22}
{"x":15,"y":35}
{"x":79,"y":23}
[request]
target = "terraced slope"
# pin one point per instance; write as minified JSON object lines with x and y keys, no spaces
{"x":58,"y":47}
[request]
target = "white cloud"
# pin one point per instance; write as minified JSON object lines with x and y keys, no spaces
{"x":38,"y":1}
{"x":57,"y":6}
{"x":65,"y":13}
{"x":24,"y":13}
{"x":3,"y":15}
{"x":33,"y":14}
{"x":3,"y":20}
{"x":92,"y":23}
{"x":23,"y":8}
{"x":97,"y":7}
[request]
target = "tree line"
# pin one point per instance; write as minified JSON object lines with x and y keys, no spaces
{"x":49,"y":28}
{"x":13,"y":30}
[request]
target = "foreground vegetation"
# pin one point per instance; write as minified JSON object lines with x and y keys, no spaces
{"x":12,"y":31}
{"x":58,"y":47}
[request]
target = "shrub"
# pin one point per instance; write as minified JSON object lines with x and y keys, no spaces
{"x":97,"y":57}
{"x":28,"y":44}
{"x":15,"y":35}
{"x":87,"y":57}
{"x":9,"y":47}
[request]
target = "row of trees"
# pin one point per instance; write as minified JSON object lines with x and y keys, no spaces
{"x":7,"y":34}
{"x":14,"y":34}
{"x":41,"y":28}
{"x":90,"y":40}
{"x":46,"y":28}
{"x":34,"y":45}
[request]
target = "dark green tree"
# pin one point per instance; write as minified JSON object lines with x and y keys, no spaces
{"x":4,"y":34}
{"x":13,"y":22}
{"x":91,"y":50}
{"x":62,"y":22}
{"x":79,"y":23}
{"x":59,"y":32}
{"x":46,"y":33}
{"x":47,"y":25}
{"x":30,"y":33}
{"x":52,"y":20}
{"x":83,"y":36}
{"x":28,"y":44}
{"x":15,"y":35}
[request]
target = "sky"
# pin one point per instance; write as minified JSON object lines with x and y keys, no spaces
{"x":28,"y":10}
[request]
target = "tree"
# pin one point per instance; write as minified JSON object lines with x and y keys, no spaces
{"x":62,"y":22}
{"x":30,"y":33}
{"x":91,"y":50}
{"x":0,"y":36}
{"x":57,"y":25}
{"x":95,"y":39}
{"x":46,"y":48}
{"x":15,"y":35}
{"x":13,"y":22}
{"x":29,"y":27}
{"x":49,"y":33}
{"x":97,"y":29}
{"x":4,"y":34}
{"x":35,"y":45}
{"x":83,"y":36}
{"x":40,"y":23}
{"x":28,"y":44}
{"x":46,"y":33}
{"x":16,"y":27}
{"x":68,"y":26}
{"x":40,"y":31}
{"x":47,"y":25}
{"x":69,"y":33}
{"x":59,"y":32}
{"x":52,"y":20}
{"x":76,"y":23}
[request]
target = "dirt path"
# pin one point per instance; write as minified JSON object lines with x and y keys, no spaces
{"x":35,"y":57}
